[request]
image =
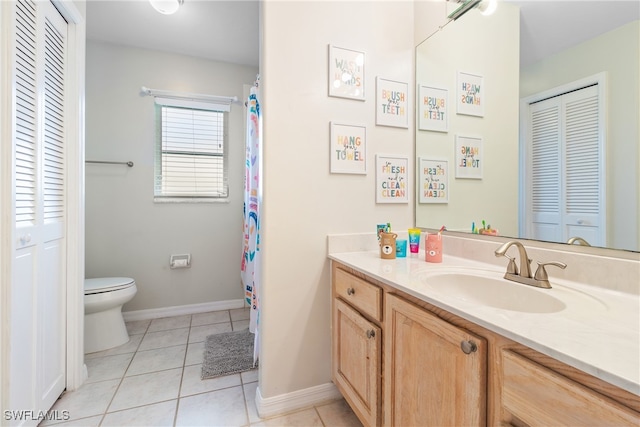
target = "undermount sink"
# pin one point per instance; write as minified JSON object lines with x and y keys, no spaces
{"x":496,"y":292}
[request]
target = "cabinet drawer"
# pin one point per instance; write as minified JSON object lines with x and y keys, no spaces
{"x":363,"y":295}
{"x":539,"y":396}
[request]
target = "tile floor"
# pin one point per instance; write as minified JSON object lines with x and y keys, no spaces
{"x":154,"y":380}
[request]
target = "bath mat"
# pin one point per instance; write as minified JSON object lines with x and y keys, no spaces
{"x":227,"y":353}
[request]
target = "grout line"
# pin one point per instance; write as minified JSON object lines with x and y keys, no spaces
{"x":319,"y":416}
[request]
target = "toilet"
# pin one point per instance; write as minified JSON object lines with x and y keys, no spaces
{"x":104,"y":326}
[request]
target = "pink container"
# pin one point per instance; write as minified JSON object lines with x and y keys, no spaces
{"x":433,"y":248}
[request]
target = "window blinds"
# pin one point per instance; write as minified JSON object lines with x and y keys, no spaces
{"x":191,"y":152}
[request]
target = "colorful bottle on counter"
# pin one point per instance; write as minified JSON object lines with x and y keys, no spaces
{"x":433,"y":247}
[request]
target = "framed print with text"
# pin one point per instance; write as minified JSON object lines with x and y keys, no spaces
{"x":348,"y":148}
{"x":346,"y":73}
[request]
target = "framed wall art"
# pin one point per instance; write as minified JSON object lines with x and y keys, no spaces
{"x":392,"y":101}
{"x":346,"y":73}
{"x":470,"y":94}
{"x":433,"y":180}
{"x":469,"y":159}
{"x":348,"y":148}
{"x":433,"y":112}
{"x":392,"y":179}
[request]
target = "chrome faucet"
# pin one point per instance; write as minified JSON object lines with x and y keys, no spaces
{"x":540,"y":279}
{"x":578,"y":240}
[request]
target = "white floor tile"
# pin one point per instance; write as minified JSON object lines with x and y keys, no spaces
{"x":129,"y":347}
{"x":216,"y":408}
{"x":89,"y":400}
{"x":240,"y":314}
{"x":195,"y":353}
{"x":161,"y":339}
{"x":166,"y":323}
{"x":82,"y":422}
{"x":143,"y":382}
{"x":250,"y":402}
{"x":192,"y":384}
{"x":156,"y":415}
{"x":146,"y":389}
{"x":108,"y":367}
{"x":338,"y":414}
{"x":137,"y":326}
{"x":200,"y":333}
{"x":239,"y":325}
{"x":249,"y":376}
{"x":210,"y":318}
{"x":158,"y":359}
{"x":306,"y":417}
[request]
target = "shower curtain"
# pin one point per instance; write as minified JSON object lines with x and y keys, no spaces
{"x":250,"y":266}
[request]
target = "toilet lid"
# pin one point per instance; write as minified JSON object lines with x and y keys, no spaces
{"x":106,"y":284}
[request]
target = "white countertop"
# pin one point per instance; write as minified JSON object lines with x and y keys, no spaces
{"x":598,"y":332}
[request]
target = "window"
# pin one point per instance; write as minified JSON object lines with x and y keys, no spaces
{"x":191,"y":150}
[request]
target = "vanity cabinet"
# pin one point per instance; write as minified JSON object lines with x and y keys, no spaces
{"x":435,"y":373}
{"x":439,"y":369}
{"x":356,"y":344}
{"x":535,"y":395}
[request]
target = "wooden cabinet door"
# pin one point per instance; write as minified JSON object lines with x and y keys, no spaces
{"x":429,"y":379}
{"x":356,"y":361}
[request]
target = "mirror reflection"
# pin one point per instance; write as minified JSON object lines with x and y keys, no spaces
{"x":528,"y":126}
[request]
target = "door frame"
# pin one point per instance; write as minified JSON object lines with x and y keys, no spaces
{"x":523,"y":177}
{"x":73,"y":12}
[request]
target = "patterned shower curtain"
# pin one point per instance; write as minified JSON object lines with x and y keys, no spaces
{"x":250,"y":266}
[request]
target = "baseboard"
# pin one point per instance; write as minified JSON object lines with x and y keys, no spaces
{"x":179,"y":310}
{"x":284,"y":403}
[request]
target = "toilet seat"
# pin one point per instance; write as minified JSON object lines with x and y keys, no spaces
{"x":106,"y":284}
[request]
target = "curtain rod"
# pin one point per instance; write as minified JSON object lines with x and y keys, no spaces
{"x":192,"y":96}
{"x":130,"y":164}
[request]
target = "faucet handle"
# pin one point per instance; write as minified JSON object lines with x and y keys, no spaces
{"x":512,"y":268}
{"x":541,"y":272}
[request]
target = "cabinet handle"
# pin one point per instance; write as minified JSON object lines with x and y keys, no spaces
{"x":371,"y":333}
{"x":351,"y":291}
{"x":468,"y":347}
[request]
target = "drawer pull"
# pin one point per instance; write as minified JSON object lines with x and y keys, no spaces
{"x":351,"y":291}
{"x":468,"y":347}
{"x":371,"y":333}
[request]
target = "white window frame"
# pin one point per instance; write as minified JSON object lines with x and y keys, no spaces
{"x":195,"y":105}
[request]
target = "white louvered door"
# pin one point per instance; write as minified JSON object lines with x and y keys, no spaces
{"x":545,"y":193}
{"x":38,"y":341}
{"x":583,"y":167}
{"x":566,"y":194}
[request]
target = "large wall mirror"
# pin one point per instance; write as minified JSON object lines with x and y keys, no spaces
{"x":529,"y":126}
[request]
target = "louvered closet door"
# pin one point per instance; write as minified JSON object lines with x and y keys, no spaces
{"x":545,"y":190}
{"x":566,"y":185}
{"x":583,"y":167}
{"x":38,"y":286}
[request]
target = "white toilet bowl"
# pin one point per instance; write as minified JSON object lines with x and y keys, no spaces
{"x":104,"y":326}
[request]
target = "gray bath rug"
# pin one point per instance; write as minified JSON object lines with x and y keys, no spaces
{"x":227,"y":353}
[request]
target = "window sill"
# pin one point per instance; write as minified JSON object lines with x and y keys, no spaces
{"x":190,"y":200}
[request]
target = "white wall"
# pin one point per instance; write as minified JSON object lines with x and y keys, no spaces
{"x":303,"y":202}
{"x":127,"y":234}
{"x":618,"y":54}
{"x":489,"y":46}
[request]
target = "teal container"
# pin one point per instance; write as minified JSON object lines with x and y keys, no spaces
{"x":401,"y":248}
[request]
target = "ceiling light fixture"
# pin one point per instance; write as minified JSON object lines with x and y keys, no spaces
{"x":487,"y":7}
{"x":166,"y":7}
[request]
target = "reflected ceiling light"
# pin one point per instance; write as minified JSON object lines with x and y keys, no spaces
{"x":487,"y":7}
{"x":166,"y":7}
